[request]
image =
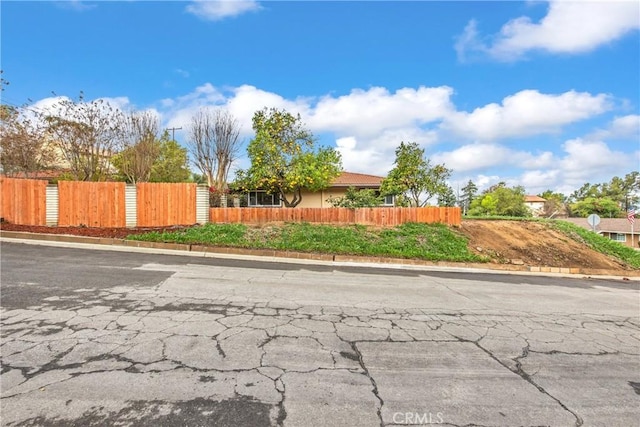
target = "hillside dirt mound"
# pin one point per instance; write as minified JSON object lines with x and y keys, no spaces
{"x":532,"y":243}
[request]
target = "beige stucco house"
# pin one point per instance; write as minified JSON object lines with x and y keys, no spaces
{"x":535,"y":204}
{"x":618,"y":229}
{"x":319,"y":199}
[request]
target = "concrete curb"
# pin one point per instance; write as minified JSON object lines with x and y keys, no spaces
{"x":341,"y":259}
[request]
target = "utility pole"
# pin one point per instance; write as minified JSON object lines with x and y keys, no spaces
{"x":173,"y":132}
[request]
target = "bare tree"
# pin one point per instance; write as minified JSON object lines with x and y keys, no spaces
{"x":24,"y":147}
{"x":139,"y":146}
{"x":214,"y":145}
{"x":86,"y":134}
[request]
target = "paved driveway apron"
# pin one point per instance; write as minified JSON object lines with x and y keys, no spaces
{"x":95,"y":337}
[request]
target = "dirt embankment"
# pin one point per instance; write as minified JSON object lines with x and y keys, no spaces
{"x":111,"y":233}
{"x":532,"y":243}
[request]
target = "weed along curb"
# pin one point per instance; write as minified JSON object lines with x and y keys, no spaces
{"x":200,"y":249}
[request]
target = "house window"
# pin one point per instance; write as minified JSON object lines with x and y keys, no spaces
{"x":388,"y":200}
{"x":262,"y":198}
{"x":618,"y":237}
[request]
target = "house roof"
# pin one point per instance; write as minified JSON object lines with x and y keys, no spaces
{"x":533,"y":199}
{"x":608,"y":225}
{"x":47,"y":175}
{"x":351,"y":179}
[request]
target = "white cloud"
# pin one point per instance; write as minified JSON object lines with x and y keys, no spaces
{"x":365,"y":159}
{"x":538,"y":181}
{"x":587,"y":161}
{"x":486,"y":181}
{"x":178,"y":112}
{"x":77,"y":5}
{"x":580,"y":161}
{"x":484,"y":156}
{"x":242,"y":102}
{"x":382,"y":118}
{"x":570,"y":27}
{"x":468,"y":44}
{"x":216,"y":10}
{"x":368,"y":112}
{"x":621,"y":128}
{"x":245,"y":100}
{"x":528,"y":112}
{"x":183,"y":73}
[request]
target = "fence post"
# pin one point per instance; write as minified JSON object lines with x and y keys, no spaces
{"x":131,"y":205}
{"x":202,"y":204}
{"x":51,"y":205}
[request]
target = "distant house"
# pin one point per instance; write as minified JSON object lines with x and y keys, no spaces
{"x":618,"y":229}
{"x":535,"y":204}
{"x":318,"y":199}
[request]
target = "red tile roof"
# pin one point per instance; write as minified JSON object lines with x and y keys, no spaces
{"x":531,"y":199}
{"x":43,"y":175}
{"x":348,"y":179}
{"x":609,"y":225}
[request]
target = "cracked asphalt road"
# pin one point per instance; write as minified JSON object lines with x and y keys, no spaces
{"x":96,"y":337}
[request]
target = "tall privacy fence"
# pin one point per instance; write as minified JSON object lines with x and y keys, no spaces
{"x":116,"y":204}
{"x":102,"y":204}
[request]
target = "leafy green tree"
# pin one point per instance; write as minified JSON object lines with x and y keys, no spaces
{"x":501,"y":201}
{"x":585,"y":191}
{"x":172,"y":163}
{"x":285,"y":159}
{"x":469,"y":192}
{"x":596,"y":205}
{"x":447,"y":197}
{"x":413,"y":175}
{"x":198,"y":178}
{"x":624,"y":191}
{"x":355,"y":198}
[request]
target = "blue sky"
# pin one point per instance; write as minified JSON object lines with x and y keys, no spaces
{"x":540,"y":94}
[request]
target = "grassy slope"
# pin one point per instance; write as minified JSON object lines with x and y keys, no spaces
{"x":598,"y":242}
{"x":434,"y":242}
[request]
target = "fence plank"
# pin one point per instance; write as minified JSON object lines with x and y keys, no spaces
{"x":165,"y":204}
{"x":91,"y":204}
{"x":23,"y":201}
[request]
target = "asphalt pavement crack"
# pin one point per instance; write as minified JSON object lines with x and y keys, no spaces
{"x":366,"y":373}
{"x":525,"y":376}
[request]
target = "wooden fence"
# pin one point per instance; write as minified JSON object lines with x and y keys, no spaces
{"x":380,"y":216}
{"x":161,"y":204}
{"x":113,"y":204}
{"x":91,"y":204}
{"x":101,"y":204}
{"x":23,"y":201}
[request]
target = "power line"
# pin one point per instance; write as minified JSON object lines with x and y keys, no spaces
{"x":173,"y":132}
